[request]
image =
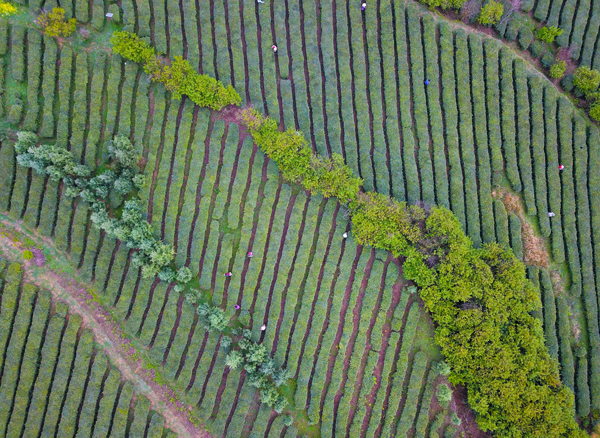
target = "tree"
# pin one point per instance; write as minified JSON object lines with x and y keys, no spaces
{"x":6,"y":9}
{"x":234,"y":359}
{"x":595,"y":111}
{"x":557,"y":71}
{"x":123,"y":151}
{"x":548,"y":34}
{"x":491,"y":13}
{"x":586,"y":79}
{"x":55,"y":25}
{"x":184,"y":274}
{"x":130,"y":46}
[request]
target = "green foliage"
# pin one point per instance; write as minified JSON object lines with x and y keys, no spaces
{"x":443,"y":394}
{"x":548,"y":60}
{"x":548,"y":34}
{"x":296,"y":161}
{"x":568,"y":83}
{"x":557,"y":70}
{"x":455,"y":419}
{"x":27,"y":255}
{"x":442,"y":368}
{"x":525,"y":38}
{"x":595,"y":111}
{"x":586,"y":79}
{"x":536,"y":48}
{"x":491,"y":13}
{"x":55,"y":25}
{"x":6,"y":9}
{"x":444,"y":4}
{"x":177,"y":75}
{"x":130,"y":46}
{"x":212,"y":317}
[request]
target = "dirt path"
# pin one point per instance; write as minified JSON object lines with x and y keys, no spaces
{"x":106,"y":332}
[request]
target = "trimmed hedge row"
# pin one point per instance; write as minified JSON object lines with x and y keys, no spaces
{"x":43,"y":382}
{"x":29,"y":364}
{"x":34,"y":58}
{"x":48,"y":87}
{"x":17,"y":334}
{"x":62,"y":374}
{"x":409,"y":413}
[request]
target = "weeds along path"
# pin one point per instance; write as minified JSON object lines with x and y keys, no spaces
{"x":106,"y":332}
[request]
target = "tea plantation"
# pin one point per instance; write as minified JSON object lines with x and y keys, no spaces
{"x":422,"y":108}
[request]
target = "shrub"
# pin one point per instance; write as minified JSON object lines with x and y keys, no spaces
{"x":6,"y":9}
{"x":595,"y":111}
{"x":491,"y":13}
{"x":547,"y":60}
{"x":586,"y":79}
{"x":445,"y":4}
{"x":455,"y":419}
{"x":536,"y":48}
{"x":557,"y":70}
{"x":525,"y":38}
{"x":27,"y":255}
{"x":444,"y":394}
{"x":442,"y":368}
{"x":567,"y":83}
{"x":548,"y":34}
{"x":55,"y":25}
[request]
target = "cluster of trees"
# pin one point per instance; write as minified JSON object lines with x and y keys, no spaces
{"x":297,"y":162}
{"x":55,"y":24}
{"x":585,"y":82}
{"x":243,"y":352}
{"x":177,"y":75}
{"x":480,"y":299}
{"x":122,"y":178}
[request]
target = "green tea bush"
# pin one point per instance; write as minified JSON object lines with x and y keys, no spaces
{"x":548,"y":60}
{"x":536,"y":48}
{"x":525,"y":38}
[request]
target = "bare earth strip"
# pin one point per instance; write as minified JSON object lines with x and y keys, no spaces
{"x":106,"y":332}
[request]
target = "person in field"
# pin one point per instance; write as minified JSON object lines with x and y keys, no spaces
{"x":561,"y":167}
{"x":274,"y":47}
{"x":263,"y":327}
{"x":236,"y":307}
{"x":250,"y":255}
{"x":426,"y":81}
{"x":345,"y":235}
{"x":363,"y":6}
{"x":551,"y":214}
{"x":229,"y":274}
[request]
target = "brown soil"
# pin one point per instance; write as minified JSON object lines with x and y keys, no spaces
{"x":535,"y":251}
{"x":465,"y":413}
{"x":106,"y":331}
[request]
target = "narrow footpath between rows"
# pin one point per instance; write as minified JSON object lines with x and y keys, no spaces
{"x":106,"y":332}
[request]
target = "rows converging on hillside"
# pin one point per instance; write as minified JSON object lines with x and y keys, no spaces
{"x":54,"y":380}
{"x":337,"y":315}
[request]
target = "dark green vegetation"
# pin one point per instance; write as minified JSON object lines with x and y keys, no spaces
{"x":54,"y":380}
{"x":363,"y":113}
